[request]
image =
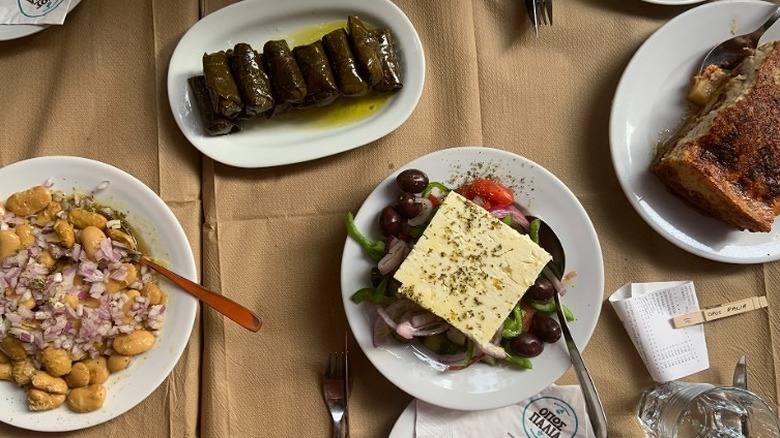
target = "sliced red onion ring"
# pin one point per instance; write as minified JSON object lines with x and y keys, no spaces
{"x":426,"y":207}
{"x":548,"y":273}
{"x":518,"y":218}
{"x":396,"y":254}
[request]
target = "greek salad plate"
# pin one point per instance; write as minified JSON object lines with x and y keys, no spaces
{"x":481,"y":386}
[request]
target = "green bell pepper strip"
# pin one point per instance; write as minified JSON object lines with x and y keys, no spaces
{"x":549,"y":308}
{"x":375,"y":295}
{"x":507,"y":219}
{"x":514,"y":324}
{"x":434,"y":185}
{"x":546,"y":308}
{"x":374,"y":249}
{"x":520,"y":362}
{"x":533,"y":230}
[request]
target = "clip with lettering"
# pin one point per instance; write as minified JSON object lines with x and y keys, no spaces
{"x":719,"y":311}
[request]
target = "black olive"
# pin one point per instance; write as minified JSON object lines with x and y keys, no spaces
{"x":541,"y":290}
{"x":412,"y":180}
{"x":527,"y":345}
{"x":547,"y":329}
{"x":390,"y":221}
{"x":406,"y":205}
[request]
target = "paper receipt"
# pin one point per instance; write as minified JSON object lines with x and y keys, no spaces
{"x":646,"y":310}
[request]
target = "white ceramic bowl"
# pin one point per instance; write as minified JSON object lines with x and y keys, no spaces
{"x":160,"y":230}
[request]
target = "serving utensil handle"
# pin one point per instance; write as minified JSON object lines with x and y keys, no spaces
{"x":593,"y":405}
{"x":224,"y":305}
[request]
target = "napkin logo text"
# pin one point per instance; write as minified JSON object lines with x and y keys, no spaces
{"x":549,"y":417}
{"x":37,"y":8}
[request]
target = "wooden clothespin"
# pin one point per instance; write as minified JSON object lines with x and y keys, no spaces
{"x":719,"y":311}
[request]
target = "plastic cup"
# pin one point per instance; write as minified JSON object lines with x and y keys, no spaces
{"x":692,"y":410}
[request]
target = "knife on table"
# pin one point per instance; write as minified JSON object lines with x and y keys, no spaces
{"x":740,"y":381}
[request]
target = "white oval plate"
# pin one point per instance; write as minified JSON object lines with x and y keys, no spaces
{"x":650,"y":103}
{"x":481,"y":386}
{"x":14,"y":31}
{"x":280,"y":142}
{"x":167,"y":241}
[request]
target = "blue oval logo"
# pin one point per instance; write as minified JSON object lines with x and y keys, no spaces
{"x":37,"y":8}
{"x":549,"y":417}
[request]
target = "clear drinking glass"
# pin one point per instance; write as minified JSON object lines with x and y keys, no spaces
{"x":693,"y":410}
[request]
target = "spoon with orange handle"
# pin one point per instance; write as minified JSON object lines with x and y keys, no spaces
{"x":238,"y":313}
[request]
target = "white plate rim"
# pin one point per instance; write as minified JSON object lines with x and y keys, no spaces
{"x":243,"y":149}
{"x":420,"y":380}
{"x":181,"y":322}
{"x":674,"y":2}
{"x":405,"y":425}
{"x":14,"y":31}
{"x":684,"y":40}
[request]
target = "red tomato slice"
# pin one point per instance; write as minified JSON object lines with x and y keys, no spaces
{"x":496,"y":194}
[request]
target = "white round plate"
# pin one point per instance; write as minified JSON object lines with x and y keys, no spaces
{"x":14,"y":31}
{"x":482,"y":386}
{"x":161,"y":231}
{"x":405,"y":424}
{"x":285,"y":141}
{"x":650,"y":103}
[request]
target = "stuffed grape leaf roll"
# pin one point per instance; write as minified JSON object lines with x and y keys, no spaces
{"x":287,"y":81}
{"x":251,"y":79}
{"x":213,"y":123}
{"x":225,"y":99}
{"x":365,"y":45}
{"x":391,"y":69}
{"x":320,"y":84}
{"x":342,"y":62}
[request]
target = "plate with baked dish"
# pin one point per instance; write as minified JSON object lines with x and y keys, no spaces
{"x":448,"y":275}
{"x":699,"y":156}
{"x":270,"y":82}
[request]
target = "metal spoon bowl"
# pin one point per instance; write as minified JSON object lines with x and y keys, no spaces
{"x":731,"y":52}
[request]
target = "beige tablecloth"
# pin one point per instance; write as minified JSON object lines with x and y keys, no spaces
{"x":272,"y":238}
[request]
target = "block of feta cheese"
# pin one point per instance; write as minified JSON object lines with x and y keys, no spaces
{"x":470,"y":269}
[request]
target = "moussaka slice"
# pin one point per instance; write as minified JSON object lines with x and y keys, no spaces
{"x":725,"y":161}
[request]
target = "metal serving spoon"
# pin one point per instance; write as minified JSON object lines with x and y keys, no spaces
{"x":730,"y":53}
{"x":598,"y":419}
{"x":224,"y":305}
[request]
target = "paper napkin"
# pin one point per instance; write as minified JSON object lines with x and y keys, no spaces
{"x":34,"y":11}
{"x":556,"y":411}
{"x":646,"y":310}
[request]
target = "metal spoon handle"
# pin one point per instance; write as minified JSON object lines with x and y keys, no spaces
{"x":593,"y":405}
{"x":775,"y":16}
{"x":598,"y":418}
{"x":238,"y":313}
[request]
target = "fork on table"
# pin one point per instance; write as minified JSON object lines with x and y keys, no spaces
{"x":336,"y":392}
{"x":540,"y":13}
